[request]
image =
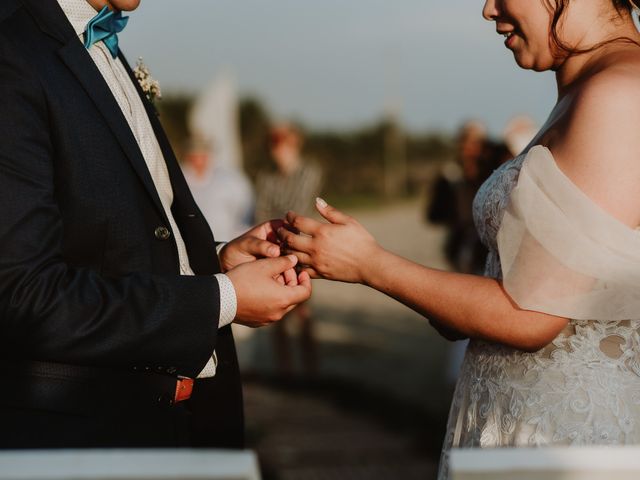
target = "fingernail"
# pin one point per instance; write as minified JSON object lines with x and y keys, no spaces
{"x":293,"y":258}
{"x":321,"y":203}
{"x":274,"y":251}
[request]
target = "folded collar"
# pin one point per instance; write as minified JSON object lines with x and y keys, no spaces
{"x":79,"y":13}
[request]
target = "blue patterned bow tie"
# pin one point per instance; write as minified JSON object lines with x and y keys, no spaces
{"x":105,"y":26}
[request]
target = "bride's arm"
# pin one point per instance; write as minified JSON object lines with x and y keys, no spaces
{"x":596,"y":144}
{"x":475,"y":306}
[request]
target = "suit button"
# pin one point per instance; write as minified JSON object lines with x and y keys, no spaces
{"x":165,"y":400}
{"x":162,"y":233}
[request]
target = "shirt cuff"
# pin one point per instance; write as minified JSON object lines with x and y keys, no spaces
{"x":228,"y":300}
{"x":219,"y":248}
{"x":210,"y":368}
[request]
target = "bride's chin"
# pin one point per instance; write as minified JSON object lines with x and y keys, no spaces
{"x":523,"y":61}
{"x":531,"y":62}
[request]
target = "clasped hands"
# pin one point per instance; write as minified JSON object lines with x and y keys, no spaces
{"x":266,"y":284}
{"x":262,"y":263}
{"x":271,"y":266}
{"x":341,"y":250}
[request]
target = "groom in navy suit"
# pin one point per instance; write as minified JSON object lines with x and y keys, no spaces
{"x":115,"y":300}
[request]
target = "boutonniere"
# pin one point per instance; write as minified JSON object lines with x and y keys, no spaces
{"x":149,"y":85}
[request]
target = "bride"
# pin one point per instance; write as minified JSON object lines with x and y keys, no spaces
{"x":554,"y":357}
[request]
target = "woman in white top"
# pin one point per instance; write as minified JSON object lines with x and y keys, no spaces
{"x":554,"y":357}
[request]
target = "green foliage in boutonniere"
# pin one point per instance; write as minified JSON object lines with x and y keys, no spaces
{"x":149,"y":85}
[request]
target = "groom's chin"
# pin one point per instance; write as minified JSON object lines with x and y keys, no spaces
{"x":125,"y":5}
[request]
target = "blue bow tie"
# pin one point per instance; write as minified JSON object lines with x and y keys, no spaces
{"x":105,"y":26}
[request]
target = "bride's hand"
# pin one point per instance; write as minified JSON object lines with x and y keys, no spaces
{"x":339,"y":250}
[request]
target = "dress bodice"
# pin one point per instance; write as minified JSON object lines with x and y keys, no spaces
{"x":581,"y":389}
{"x":489,"y":206}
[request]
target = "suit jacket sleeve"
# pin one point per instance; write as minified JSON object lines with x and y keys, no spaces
{"x":51,"y":310}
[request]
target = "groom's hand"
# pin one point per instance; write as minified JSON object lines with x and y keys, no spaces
{"x":259,"y":242}
{"x":267,"y":289}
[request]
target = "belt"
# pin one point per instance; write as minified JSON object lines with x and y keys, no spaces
{"x":60,"y":387}
{"x":184,"y":389}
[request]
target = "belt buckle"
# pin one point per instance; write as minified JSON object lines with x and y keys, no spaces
{"x":184,"y":388}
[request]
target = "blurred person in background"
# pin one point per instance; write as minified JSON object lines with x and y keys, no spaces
{"x":453,"y":194}
{"x":294,"y":184}
{"x":517,"y":134}
{"x":554,"y":322}
{"x":224,"y":196}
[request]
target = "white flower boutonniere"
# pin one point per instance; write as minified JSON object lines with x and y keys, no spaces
{"x":149,"y":85}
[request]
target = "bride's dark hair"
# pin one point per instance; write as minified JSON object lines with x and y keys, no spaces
{"x":623,"y":7}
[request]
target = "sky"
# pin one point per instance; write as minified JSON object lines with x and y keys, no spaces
{"x":343,"y":63}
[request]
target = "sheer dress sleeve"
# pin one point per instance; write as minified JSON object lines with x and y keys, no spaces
{"x":561,"y":253}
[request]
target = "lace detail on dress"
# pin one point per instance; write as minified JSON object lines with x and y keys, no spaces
{"x":582,"y":389}
{"x":492,"y":199}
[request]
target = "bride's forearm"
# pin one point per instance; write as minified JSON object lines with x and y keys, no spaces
{"x":473,"y":305}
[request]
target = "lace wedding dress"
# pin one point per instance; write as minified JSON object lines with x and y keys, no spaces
{"x":582,"y":389}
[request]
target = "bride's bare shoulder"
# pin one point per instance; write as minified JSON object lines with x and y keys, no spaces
{"x":599,"y":144}
{"x":613,"y":85}
{"x":603,"y":114}
{"x":614,"y":82}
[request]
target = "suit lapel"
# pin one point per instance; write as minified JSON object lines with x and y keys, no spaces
{"x":178,"y":183}
{"x":52,"y":21}
{"x":153,"y":115}
{"x":194,"y":228}
{"x":80,"y":63}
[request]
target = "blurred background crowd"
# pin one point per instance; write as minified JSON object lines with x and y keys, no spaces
{"x":350,"y":385}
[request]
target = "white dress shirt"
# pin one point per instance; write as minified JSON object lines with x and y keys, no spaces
{"x":79,"y":13}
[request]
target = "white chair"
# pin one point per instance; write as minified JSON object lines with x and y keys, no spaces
{"x":128,"y":465}
{"x":567,"y":463}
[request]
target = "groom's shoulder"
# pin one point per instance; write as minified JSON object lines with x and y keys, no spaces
{"x":10,"y":11}
{"x":7,"y":7}
{"x":21,"y":43}
{"x":14,"y":21}
{"x":22,"y":36}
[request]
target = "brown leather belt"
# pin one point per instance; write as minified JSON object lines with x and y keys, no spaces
{"x":184,"y":388}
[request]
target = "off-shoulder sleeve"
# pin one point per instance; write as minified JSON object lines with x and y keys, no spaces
{"x":561,"y":253}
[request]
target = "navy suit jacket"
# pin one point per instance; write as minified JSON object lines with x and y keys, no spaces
{"x":84,"y":279}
